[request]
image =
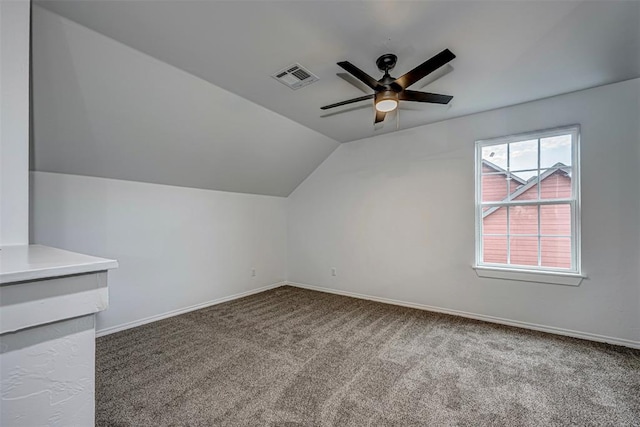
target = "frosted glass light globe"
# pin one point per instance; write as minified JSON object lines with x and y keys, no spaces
{"x":386,"y":105}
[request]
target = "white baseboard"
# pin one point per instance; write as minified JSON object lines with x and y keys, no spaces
{"x":129,"y":325}
{"x":526,"y":325}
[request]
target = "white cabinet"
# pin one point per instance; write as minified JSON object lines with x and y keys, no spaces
{"x":48,"y":301}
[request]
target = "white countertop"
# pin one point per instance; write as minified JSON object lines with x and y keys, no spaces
{"x":32,"y":262}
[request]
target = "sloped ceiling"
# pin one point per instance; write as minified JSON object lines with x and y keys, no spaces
{"x":103,"y":109}
{"x":508,"y":52}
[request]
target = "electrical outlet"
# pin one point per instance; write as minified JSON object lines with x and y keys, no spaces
{"x":333,"y":271}
{"x":253,"y":272}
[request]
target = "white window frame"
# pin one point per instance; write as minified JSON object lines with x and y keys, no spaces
{"x":572,"y":276}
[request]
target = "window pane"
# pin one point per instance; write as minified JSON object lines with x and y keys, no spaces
{"x":494,"y":249}
{"x":554,"y":150}
{"x":495,"y":155}
{"x":523,"y":220}
{"x":494,"y":187}
{"x":556,"y":252}
{"x":535,"y":171}
{"x":524,"y":250}
{"x":523,"y":155}
{"x":555,"y":220}
{"x":555,"y":184}
{"x":494,"y":221}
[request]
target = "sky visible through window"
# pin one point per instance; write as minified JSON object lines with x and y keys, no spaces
{"x":524,"y":155}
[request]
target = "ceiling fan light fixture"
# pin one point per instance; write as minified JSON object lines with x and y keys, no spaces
{"x":389,"y":90}
{"x":386,"y":101}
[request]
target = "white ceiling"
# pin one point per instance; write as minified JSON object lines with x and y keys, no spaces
{"x":508,"y":52}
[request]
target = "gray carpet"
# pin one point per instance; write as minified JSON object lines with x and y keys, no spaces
{"x":296,"y":357}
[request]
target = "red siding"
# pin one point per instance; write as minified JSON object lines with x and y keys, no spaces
{"x":495,"y":249}
{"x":557,"y":186}
{"x":554,"y":220}
{"x":524,"y":250}
{"x":556,"y":252}
{"x":496,"y":222}
{"x":523,"y":220}
{"x":494,"y":188}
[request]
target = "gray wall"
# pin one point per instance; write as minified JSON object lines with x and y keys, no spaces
{"x":176,"y":247}
{"x":14,"y":122}
{"x":395,"y":216}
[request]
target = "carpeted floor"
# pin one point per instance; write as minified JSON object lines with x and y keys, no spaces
{"x":296,"y":357}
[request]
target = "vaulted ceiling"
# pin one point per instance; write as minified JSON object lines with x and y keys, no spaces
{"x":508,"y":52}
{"x":180,"y":92}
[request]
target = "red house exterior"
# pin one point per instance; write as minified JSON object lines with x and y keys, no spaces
{"x":555,"y":220}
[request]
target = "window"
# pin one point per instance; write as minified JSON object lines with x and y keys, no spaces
{"x":528,"y":202}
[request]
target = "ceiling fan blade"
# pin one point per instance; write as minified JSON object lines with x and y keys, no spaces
{"x":353,"y":81}
{"x":422,"y":70}
{"x":436,"y":75}
{"x":348,"y":101}
{"x":360,"y":75}
{"x":380,"y":115}
{"x":432,"y":98}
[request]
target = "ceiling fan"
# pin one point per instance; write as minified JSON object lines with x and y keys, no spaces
{"x":389,"y":91}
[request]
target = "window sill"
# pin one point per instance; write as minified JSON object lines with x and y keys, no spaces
{"x":566,"y":279}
